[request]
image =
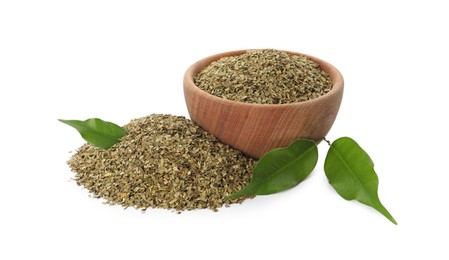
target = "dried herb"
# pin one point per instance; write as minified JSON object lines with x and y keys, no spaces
{"x":97,"y":132}
{"x":282,"y":168}
{"x":264,"y":77}
{"x":350,"y":171}
{"x":167,"y":162}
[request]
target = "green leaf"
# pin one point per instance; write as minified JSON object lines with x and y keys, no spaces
{"x":281,"y":169}
{"x":350,"y":171}
{"x":97,"y":132}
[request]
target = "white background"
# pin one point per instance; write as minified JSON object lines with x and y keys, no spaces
{"x":119,"y":60}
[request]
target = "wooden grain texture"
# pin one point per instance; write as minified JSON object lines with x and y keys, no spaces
{"x":257,"y":128}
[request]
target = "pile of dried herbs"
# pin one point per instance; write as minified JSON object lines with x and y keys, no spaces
{"x":265,"y":77}
{"x":165,"y":161}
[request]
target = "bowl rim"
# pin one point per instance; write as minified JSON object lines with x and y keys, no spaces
{"x":194,"y":69}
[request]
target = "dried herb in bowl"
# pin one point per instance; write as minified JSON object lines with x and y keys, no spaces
{"x":265,"y":77}
{"x":164,"y":161}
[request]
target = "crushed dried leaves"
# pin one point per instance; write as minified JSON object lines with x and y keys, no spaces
{"x":264,"y":76}
{"x":167,"y":162}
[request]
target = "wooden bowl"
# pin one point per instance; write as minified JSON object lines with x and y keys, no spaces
{"x":255,"y":129}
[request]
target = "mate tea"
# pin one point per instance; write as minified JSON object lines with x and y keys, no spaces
{"x":165,"y":161}
{"x":264,"y":76}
